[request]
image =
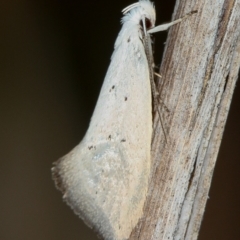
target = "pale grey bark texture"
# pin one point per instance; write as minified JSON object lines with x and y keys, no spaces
{"x":199,"y":73}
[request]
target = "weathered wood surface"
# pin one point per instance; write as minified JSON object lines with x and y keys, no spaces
{"x":199,"y":69}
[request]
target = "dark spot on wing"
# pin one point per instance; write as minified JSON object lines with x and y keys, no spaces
{"x":112,"y":88}
{"x":91,"y":147}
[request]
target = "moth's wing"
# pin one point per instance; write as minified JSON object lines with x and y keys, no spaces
{"x":105,"y":178}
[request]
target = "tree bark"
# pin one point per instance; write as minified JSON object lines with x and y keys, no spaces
{"x":199,"y":73}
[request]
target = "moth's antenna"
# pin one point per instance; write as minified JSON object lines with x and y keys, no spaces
{"x":130,"y":7}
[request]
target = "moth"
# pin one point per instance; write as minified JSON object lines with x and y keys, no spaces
{"x":105,"y":178}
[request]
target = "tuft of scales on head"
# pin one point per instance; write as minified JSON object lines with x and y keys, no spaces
{"x":141,"y":11}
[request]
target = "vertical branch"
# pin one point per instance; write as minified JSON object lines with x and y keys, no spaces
{"x":199,"y":69}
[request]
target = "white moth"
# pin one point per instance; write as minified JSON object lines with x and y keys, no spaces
{"x":105,"y":178}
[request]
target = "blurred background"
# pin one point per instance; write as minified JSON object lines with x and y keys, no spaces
{"x":53,"y":59}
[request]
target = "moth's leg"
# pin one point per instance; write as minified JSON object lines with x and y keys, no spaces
{"x":165,"y":26}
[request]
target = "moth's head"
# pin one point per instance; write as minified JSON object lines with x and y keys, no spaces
{"x":142,"y":13}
